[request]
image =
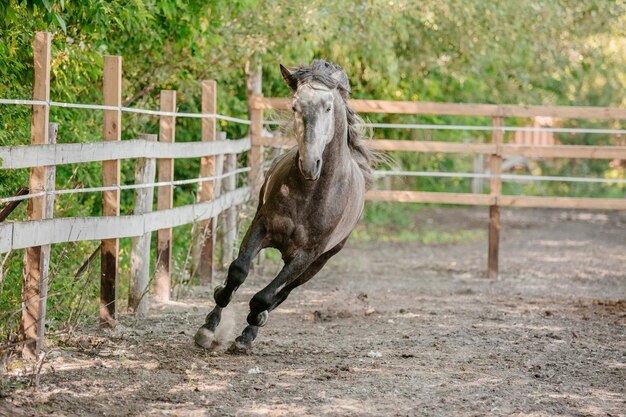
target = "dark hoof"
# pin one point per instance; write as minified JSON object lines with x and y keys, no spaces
{"x":205,"y":338}
{"x":238,"y":348}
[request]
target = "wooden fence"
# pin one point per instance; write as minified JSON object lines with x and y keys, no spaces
{"x":44,"y":154}
{"x":496,"y":150}
{"x":42,"y":229}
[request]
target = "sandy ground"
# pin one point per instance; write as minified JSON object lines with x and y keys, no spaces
{"x":386,"y":329}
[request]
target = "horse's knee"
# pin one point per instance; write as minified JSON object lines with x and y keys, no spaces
{"x":237,"y":272}
{"x":258,"y":319}
{"x":260,"y":302}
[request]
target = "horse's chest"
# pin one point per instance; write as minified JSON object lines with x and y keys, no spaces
{"x":295,"y":220}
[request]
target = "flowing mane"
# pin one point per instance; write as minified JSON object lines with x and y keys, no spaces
{"x":322,"y":72}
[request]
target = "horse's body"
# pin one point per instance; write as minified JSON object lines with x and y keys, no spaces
{"x":310,"y":201}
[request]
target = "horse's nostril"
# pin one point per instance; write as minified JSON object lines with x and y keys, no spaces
{"x":318,"y":163}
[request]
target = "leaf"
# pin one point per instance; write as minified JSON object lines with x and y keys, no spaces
{"x":61,"y":23}
{"x":47,"y":5}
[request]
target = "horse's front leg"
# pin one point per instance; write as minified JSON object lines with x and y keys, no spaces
{"x":252,"y":243}
{"x":261,"y":303}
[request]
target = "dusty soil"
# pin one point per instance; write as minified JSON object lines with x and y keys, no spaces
{"x":386,"y":329}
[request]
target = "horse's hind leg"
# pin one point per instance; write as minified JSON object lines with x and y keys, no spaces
{"x":252,"y":243}
{"x":262,"y":301}
{"x":310,"y":272}
{"x":273,"y":295}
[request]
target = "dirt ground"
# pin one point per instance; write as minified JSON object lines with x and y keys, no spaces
{"x":386,"y":329}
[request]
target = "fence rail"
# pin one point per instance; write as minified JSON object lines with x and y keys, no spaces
{"x":20,"y":235}
{"x":27,"y":156}
{"x":461,"y":109}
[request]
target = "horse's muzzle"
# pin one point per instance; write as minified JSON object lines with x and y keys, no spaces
{"x":310,"y":171}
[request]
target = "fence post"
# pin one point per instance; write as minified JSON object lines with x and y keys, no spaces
{"x":140,"y":251}
{"x":254,"y":90}
{"x":495,"y":186}
{"x":35,"y":279}
{"x":219,"y":170}
{"x":112,"y":92}
{"x":478,"y":162}
{"x":167,"y":133}
{"x":229,"y":217}
{"x":206,"y":233}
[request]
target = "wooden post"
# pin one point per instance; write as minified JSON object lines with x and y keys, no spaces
{"x":253,"y":89}
{"x":167,"y":133}
{"x":206,"y":189}
{"x":35,"y":279}
{"x":229,"y":217}
{"x":145,"y":169}
{"x":495,"y":186}
{"x":478,"y":162}
{"x":112,"y":91}
{"x":219,"y":170}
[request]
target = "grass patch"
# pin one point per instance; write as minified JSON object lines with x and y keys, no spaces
{"x":392,"y":222}
{"x":426,"y":236}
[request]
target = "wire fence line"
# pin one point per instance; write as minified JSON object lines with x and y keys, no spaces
{"x":507,"y":177}
{"x":492,"y":128}
{"x":124,"y":109}
{"x":124,"y":187}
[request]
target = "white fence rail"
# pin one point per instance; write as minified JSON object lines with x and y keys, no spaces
{"x":27,"y":156}
{"x":20,"y":235}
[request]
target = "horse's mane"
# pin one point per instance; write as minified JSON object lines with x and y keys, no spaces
{"x":322,"y":72}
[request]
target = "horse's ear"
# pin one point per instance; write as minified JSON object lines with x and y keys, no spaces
{"x":342,"y":80}
{"x":288,"y":77}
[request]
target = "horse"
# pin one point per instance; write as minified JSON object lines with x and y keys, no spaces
{"x":310,"y":200}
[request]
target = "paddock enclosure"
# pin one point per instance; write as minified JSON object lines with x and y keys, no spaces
{"x":388,"y":328}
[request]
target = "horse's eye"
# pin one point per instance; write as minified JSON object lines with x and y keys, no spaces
{"x":293,"y":108}
{"x":328,"y":109}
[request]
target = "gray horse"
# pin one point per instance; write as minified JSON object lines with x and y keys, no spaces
{"x":310,"y":201}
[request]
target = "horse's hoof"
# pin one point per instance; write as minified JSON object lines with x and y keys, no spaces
{"x":238,"y":348}
{"x":204,"y":338}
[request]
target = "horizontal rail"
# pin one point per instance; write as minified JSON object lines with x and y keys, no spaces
{"x":420,"y":126}
{"x":461,"y":109}
{"x":505,"y":200}
{"x":12,"y":157}
{"x":565,"y":151}
{"x":430,"y":146}
{"x":19,"y":235}
{"x":124,"y":109}
{"x":563,"y":202}
{"x":123,"y":187}
{"x":431,"y":197}
{"x":533,"y":151}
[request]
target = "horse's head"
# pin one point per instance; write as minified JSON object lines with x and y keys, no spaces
{"x":317,"y":105}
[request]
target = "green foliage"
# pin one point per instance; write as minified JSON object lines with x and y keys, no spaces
{"x":485,"y":51}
